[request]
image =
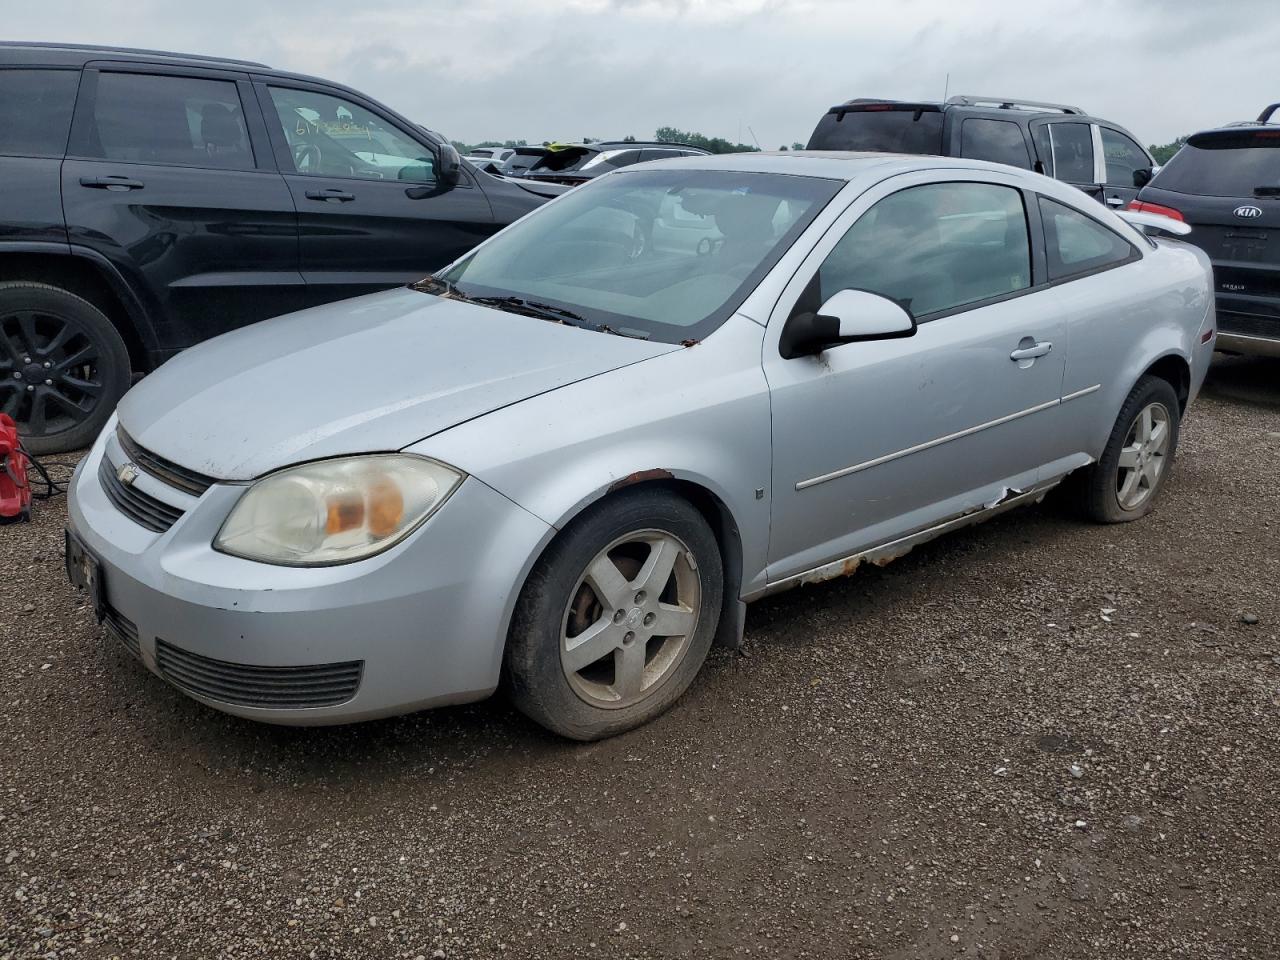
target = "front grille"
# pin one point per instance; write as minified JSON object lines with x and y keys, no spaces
{"x":142,"y":508}
{"x":246,"y":685}
{"x":164,"y":470}
{"x":123,"y":629}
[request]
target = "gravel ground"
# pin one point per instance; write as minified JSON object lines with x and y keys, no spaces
{"x":1036,"y":738}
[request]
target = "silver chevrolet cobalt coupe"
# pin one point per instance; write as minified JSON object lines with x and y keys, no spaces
{"x":572,"y":457}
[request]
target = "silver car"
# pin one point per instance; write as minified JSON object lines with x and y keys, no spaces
{"x":571,"y":458}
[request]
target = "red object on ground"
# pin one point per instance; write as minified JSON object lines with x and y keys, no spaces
{"x":15,"y":492}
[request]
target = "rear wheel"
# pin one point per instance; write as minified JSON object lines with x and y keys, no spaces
{"x":617,"y":617}
{"x":1125,"y":481}
{"x":63,"y":366}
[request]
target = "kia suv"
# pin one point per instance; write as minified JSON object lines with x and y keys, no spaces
{"x":1226,"y":184}
{"x":152,"y":200}
{"x":1097,"y":156}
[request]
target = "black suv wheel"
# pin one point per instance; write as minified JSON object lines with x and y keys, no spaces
{"x":63,"y":366}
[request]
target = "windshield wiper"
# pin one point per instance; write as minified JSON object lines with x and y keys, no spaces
{"x":546,"y":311}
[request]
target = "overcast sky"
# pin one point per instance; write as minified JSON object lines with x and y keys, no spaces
{"x":568,"y":69}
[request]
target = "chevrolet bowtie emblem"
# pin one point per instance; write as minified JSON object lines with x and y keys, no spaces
{"x":126,"y":473}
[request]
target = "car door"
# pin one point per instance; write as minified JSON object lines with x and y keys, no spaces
{"x":170,"y":177}
{"x":875,"y":440}
{"x":371,"y":212}
{"x":1127,"y":167}
{"x":1074,"y":156}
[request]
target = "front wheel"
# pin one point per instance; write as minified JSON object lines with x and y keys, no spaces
{"x":63,"y":366}
{"x":1125,"y":481}
{"x":617,"y":617}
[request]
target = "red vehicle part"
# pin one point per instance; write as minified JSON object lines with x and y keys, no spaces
{"x":15,"y":491}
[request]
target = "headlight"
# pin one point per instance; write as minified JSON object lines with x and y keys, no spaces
{"x":335,"y":511}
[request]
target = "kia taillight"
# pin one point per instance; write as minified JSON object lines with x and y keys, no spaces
{"x":1141,"y":206}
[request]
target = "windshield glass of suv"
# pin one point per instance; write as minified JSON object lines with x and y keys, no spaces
{"x":1228,"y":164}
{"x":665,"y":254}
{"x":883,"y":131}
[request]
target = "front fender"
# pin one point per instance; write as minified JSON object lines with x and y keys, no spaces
{"x":698,"y":415}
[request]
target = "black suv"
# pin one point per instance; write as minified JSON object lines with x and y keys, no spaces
{"x":1099,"y":157}
{"x":1226,"y":184}
{"x":572,"y":164}
{"x":151,"y":200}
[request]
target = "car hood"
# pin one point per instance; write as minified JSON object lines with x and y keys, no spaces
{"x":372,"y":374}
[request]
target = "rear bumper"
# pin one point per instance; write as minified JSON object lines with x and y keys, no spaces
{"x":1248,"y":324}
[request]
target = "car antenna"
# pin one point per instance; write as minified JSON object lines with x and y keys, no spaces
{"x":754,"y":137}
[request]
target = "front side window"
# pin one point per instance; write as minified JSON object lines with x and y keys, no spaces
{"x":934,"y":247}
{"x":661,"y":254}
{"x":332,"y":137}
{"x":35,"y":111}
{"x":149,"y":118}
{"x":1075,"y":243}
{"x":1072,"y":146}
{"x":1124,"y":158}
{"x":1000,"y":141}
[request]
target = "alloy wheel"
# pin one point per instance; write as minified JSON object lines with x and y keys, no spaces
{"x":50,"y":379}
{"x":1144,"y":456}
{"x":630,"y":619}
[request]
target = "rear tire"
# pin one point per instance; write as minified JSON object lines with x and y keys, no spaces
{"x":63,"y":366}
{"x":1125,"y":481}
{"x":587,"y":656}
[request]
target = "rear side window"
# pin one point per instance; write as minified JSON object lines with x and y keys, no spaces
{"x":1076,"y":244}
{"x":891,"y":131}
{"x":146,"y":118}
{"x":1000,"y":141}
{"x":1124,"y":158}
{"x":35,"y":111}
{"x":1072,"y":148}
{"x":1225,"y":165}
{"x":935,"y":247}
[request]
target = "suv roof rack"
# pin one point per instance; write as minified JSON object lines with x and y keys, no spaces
{"x":1011,"y":103}
{"x":94,"y":47}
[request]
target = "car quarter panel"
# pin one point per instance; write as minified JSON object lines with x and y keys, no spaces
{"x":700,"y":414}
{"x":1124,"y":320}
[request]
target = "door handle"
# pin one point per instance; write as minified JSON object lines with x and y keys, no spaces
{"x":1029,"y":349}
{"x":1114,"y":202}
{"x":111,"y":183}
{"x":330,"y":194}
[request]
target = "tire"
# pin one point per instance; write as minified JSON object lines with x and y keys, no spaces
{"x":1100,"y":488}
{"x":48,"y":334}
{"x":570,"y":665}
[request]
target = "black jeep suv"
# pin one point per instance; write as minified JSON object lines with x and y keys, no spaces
{"x":151,"y":200}
{"x":1099,"y":157}
{"x":1226,"y":184}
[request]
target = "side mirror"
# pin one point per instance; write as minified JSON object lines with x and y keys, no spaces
{"x":449,"y":170}
{"x":849,"y":316}
{"x":1142,"y":176}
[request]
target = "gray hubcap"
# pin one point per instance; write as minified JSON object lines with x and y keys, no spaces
{"x":1144,"y":456}
{"x":629,"y":621}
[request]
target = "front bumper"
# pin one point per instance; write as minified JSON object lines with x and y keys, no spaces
{"x":424,"y":623}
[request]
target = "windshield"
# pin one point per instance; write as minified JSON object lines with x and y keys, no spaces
{"x":1230,"y":164}
{"x":661,"y":254}
{"x":880,"y":130}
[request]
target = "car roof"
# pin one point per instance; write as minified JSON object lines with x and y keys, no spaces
{"x":47,"y":54}
{"x":831,"y":164}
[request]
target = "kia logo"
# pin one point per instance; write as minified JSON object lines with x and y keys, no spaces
{"x":1248,"y":212}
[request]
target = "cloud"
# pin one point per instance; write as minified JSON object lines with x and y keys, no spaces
{"x":539,"y":69}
